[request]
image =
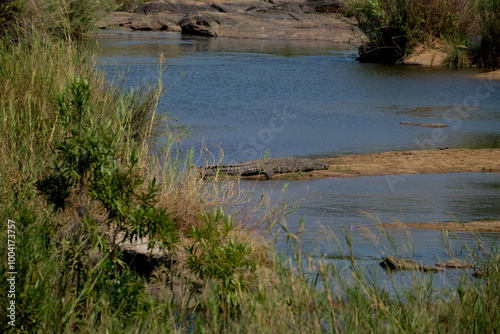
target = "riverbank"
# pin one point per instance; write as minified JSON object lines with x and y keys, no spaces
{"x":398,"y":164}
{"x":290,"y":20}
{"x":482,"y":226}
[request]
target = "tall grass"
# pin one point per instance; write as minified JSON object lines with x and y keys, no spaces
{"x":222,"y":278}
{"x":487,"y":52}
{"x":61,"y":18}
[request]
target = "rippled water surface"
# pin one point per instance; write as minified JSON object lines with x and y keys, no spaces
{"x":247,"y":97}
{"x":305,"y":98}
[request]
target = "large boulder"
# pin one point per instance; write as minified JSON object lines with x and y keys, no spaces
{"x":137,"y":22}
{"x":203,"y":24}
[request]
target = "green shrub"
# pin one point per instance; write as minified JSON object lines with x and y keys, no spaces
{"x":93,"y":162}
{"x":396,"y":27}
{"x":61,"y":18}
{"x":215,"y":255}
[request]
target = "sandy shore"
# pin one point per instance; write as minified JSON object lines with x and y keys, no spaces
{"x":483,"y":226}
{"x":401,"y":163}
{"x":396,"y":164}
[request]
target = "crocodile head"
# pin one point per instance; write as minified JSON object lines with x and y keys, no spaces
{"x":320,"y":165}
{"x":314,"y":164}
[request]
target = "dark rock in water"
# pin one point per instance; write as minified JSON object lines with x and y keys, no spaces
{"x":202,"y":24}
{"x":395,"y":263}
{"x":455,"y":263}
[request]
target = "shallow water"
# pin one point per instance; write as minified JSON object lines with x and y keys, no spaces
{"x":307,"y":98}
{"x":304,"y":98}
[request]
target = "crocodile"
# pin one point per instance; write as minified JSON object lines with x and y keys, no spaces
{"x":266,"y":166}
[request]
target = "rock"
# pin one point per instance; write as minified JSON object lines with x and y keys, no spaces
{"x":137,"y":22}
{"x":155,"y":24}
{"x":429,"y":55}
{"x":155,"y":7}
{"x":285,"y":20}
{"x":220,"y":8}
{"x":326,"y":6}
{"x":395,"y":263}
{"x":117,"y":19}
{"x":168,"y":25}
{"x":427,"y":125}
{"x":200,"y":24}
{"x":279,"y":25}
{"x":455,"y":263}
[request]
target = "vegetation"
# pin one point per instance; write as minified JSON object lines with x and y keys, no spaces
{"x":79,"y":176}
{"x":398,"y":26}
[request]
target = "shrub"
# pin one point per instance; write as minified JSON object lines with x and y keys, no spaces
{"x":487,"y":52}
{"x":61,"y":18}
{"x":215,"y":255}
{"x":93,"y":162}
{"x":395,"y":27}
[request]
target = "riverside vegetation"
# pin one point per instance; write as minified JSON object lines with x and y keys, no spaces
{"x":469,"y":29}
{"x":80,"y":170}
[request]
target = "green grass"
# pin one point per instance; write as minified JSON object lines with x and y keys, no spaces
{"x":72,"y":278}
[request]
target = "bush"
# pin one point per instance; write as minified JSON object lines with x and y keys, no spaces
{"x":395,"y":27}
{"x":93,"y":163}
{"x":215,"y":255}
{"x":61,"y":18}
{"x":487,"y":52}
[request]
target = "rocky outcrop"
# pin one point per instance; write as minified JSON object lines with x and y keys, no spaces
{"x":325,"y":6}
{"x":155,"y":7}
{"x":295,"y":19}
{"x":138,"y":22}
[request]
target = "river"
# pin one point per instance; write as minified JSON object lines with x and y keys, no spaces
{"x":248,"y":98}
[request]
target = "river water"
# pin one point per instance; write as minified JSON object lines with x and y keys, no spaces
{"x":247,"y":98}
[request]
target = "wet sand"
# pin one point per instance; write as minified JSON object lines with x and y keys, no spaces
{"x":405,"y":162}
{"x":395,"y":164}
{"x":483,"y":226}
